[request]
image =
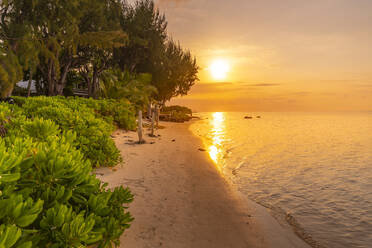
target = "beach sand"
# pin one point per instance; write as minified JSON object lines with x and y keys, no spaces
{"x":181,"y":200}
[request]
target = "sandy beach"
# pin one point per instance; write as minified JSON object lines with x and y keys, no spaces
{"x":181,"y":200}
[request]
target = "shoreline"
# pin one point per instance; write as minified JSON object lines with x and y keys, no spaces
{"x":285,"y":220}
{"x":182,"y":201}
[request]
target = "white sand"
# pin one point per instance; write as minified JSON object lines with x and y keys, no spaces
{"x":182,"y":201}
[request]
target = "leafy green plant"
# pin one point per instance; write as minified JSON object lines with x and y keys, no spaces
{"x":9,"y":235}
{"x":117,"y":84}
{"x":176,"y":113}
{"x":92,"y":121}
{"x":119,"y":111}
{"x":176,"y":108}
{"x":49,"y":196}
{"x":40,"y":129}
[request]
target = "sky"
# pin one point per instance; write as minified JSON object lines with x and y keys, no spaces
{"x":287,"y":55}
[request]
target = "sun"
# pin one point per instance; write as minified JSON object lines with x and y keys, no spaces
{"x":219,"y":69}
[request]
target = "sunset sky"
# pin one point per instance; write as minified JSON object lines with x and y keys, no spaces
{"x":287,"y":55}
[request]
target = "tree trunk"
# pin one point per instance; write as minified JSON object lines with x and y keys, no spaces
{"x":59,"y":89}
{"x":50,"y":79}
{"x":50,"y":88}
{"x":149,"y":111}
{"x":61,"y":84}
{"x":97,"y":71}
{"x":152,"y":124}
{"x":29,"y":84}
{"x":157,"y":113}
{"x":140,"y":139}
{"x":95,"y":84}
{"x":84,"y":72}
{"x":89,"y":85}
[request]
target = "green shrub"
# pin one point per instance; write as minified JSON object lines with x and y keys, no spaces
{"x":41,"y":130}
{"x":120,"y":111}
{"x":49,"y":196}
{"x":176,"y":108}
{"x":92,"y":121}
{"x":175,"y":113}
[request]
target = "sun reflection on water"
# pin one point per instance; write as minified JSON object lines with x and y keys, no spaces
{"x":217,"y":136}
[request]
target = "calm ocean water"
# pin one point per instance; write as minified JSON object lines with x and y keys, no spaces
{"x":317,"y":167}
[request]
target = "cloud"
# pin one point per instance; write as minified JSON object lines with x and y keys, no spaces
{"x":216,"y":83}
{"x":220,"y":90}
{"x":229,"y":87}
{"x":265,"y":85}
{"x":362,"y":85}
{"x":300,"y":93}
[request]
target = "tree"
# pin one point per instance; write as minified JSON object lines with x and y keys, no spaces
{"x":150,"y":50}
{"x":177,"y":73}
{"x":146,"y":29}
{"x":18,"y":46}
{"x":55,"y":24}
{"x":101,"y":35}
{"x":49,"y":39}
{"x":10,"y":73}
{"x":46,"y":29}
{"x":64,"y":35}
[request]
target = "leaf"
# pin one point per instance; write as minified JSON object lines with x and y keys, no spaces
{"x":7,"y":178}
{"x":27,"y":244}
{"x":26,"y":220}
{"x":9,"y":235}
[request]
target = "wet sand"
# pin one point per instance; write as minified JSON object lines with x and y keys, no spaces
{"x":181,"y":200}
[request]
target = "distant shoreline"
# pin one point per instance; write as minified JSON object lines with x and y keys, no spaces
{"x":182,"y":201}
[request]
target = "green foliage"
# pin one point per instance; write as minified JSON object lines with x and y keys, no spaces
{"x":93,"y":38}
{"x":151,"y":50}
{"x":124,"y":85}
{"x":147,"y":30}
{"x":177,"y":74}
{"x":10,"y":73}
{"x":19,"y":91}
{"x":49,"y":196}
{"x":91,"y":121}
{"x":41,"y":130}
{"x":176,"y":113}
{"x":120,"y":111}
{"x":176,"y":108}
{"x":101,"y":34}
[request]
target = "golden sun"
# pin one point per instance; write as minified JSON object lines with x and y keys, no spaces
{"x":219,"y":69}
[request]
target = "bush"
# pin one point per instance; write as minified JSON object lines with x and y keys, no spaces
{"x":121,"y":111}
{"x":176,"y":108}
{"x":118,"y":112}
{"x":49,"y":196}
{"x":176,"y":113}
{"x":91,"y":120}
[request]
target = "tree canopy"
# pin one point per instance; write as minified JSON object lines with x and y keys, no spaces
{"x":93,"y":38}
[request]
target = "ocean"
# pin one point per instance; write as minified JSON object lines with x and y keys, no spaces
{"x":315,"y":169}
